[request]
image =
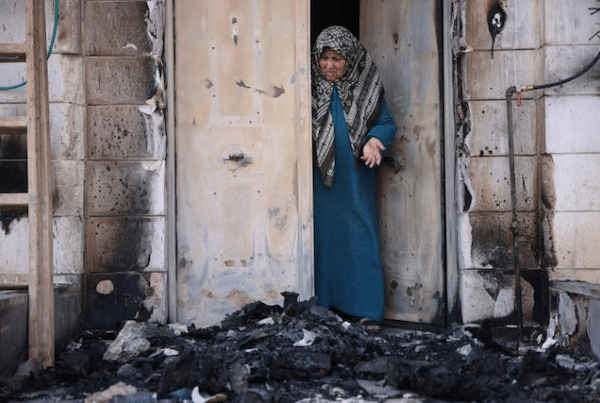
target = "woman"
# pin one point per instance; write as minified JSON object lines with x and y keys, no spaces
{"x":351,"y":128}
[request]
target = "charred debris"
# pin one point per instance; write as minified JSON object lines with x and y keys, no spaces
{"x":303,"y":352}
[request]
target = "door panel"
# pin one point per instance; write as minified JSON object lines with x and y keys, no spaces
{"x":402,"y":37}
{"x":244,"y":192}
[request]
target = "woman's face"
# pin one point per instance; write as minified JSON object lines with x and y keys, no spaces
{"x":331,"y":65}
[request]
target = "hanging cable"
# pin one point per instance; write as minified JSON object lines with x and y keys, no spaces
{"x":566,"y":80}
{"x":518,"y":89}
{"x":52,"y":40}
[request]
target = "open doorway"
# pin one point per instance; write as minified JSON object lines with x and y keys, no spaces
{"x":334,"y":12}
{"x":402,"y":36}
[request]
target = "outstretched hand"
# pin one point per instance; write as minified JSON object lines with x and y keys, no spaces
{"x":372,"y":152}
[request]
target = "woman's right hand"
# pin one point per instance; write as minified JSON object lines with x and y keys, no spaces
{"x":372,"y":152}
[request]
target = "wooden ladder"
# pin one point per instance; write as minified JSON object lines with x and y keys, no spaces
{"x":38,"y":199}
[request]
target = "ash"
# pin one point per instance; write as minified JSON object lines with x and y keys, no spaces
{"x":305,"y":353}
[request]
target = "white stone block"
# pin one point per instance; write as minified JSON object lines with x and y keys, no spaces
{"x":67,"y":122}
{"x":564,"y":274}
{"x":123,"y":132}
{"x":68,"y":245}
{"x":117,"y":188}
{"x":125,"y":244}
{"x":68,"y":34}
{"x":576,"y":182}
{"x":65,"y":75}
{"x":572,"y":124}
{"x":569,"y":22}
{"x":489,"y":135}
{"x":562,"y":62}
{"x":490,"y":181}
{"x":521,"y":30}
{"x":488,"y":78}
{"x":575,"y":237}
{"x":68,"y":187}
{"x":14,"y":247}
{"x":479,"y":303}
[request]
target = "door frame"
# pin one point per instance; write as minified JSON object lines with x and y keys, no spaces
{"x":306,"y":269}
{"x":452,"y":277}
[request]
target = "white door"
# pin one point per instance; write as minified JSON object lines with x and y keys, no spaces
{"x":243,"y":156}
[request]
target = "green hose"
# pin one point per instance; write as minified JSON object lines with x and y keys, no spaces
{"x":12,"y":87}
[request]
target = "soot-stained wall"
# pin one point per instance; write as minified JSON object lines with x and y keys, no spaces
{"x":555,"y":155}
{"x":489,"y":233}
{"x":125,"y":171}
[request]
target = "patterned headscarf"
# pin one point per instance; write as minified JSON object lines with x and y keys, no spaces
{"x":361,"y":93}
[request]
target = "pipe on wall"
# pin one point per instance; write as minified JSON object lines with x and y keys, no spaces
{"x":170,"y":172}
{"x":510,"y":93}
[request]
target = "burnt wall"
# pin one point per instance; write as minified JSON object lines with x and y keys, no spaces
{"x":500,"y":48}
{"x":125,"y":163}
{"x":556,"y":155}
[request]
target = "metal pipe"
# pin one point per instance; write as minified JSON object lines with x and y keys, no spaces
{"x":171,"y":209}
{"x":513,"y":197}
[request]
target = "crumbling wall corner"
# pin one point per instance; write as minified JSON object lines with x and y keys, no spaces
{"x":548,"y":201}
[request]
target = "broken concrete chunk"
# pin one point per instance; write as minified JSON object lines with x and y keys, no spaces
{"x":128,"y":344}
{"x":377,"y":366}
{"x":465,"y":350}
{"x":178,"y":328}
{"x":106,"y":396}
{"x":297,"y":364}
{"x":307,"y":340}
{"x":138,"y":397}
{"x":322,"y":314}
{"x":266,"y":321}
{"x":28,"y":368}
{"x":379,"y":389}
{"x":239,"y":374}
{"x":126,"y":371}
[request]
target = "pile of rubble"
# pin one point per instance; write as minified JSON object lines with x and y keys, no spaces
{"x":303,"y":352}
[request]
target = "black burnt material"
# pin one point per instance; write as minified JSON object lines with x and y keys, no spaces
{"x":496,"y":19}
{"x":265,"y":353}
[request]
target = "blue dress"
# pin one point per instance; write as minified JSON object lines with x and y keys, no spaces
{"x":348,"y":271}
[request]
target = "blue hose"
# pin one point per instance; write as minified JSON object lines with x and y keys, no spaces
{"x":13,"y":87}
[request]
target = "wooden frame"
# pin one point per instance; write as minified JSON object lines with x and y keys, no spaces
{"x":38,"y":200}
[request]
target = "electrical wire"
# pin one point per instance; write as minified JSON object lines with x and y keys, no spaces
{"x":53,"y":39}
{"x":566,"y":80}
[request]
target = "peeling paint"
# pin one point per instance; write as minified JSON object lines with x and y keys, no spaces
{"x":156,"y":25}
{"x":272,"y":91}
{"x":241,"y":83}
